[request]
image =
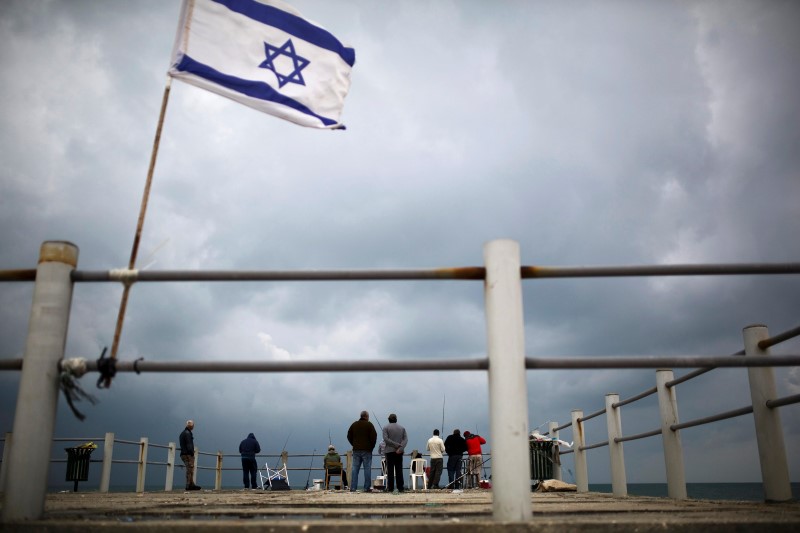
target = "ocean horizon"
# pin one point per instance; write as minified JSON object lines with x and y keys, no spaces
{"x":696,"y":491}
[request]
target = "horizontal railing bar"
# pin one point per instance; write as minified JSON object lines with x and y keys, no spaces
{"x":593,"y":446}
{"x":657,"y":361}
{"x":297,"y":366}
{"x":565,"y":452}
{"x":130,"y":276}
{"x":136,"y":442}
{"x":659,"y":270}
{"x":639,"y":396}
{"x":434,"y":365}
{"x":158,"y":445}
{"x":469,"y":273}
{"x":786,"y":400}
{"x":780,"y":337}
{"x":589,"y":417}
{"x":714,"y":418}
{"x":639,"y":436}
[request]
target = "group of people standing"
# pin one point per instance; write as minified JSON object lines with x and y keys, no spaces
{"x":362,"y":437}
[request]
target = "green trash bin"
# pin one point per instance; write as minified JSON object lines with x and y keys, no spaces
{"x":541,"y":454}
{"x":78,"y":463}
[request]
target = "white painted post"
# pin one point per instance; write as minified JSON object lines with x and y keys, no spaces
{"x":508,"y":389}
{"x":619,"y":483}
{"x":142,"y":466}
{"x":673,"y":451}
{"x":769,"y":430}
{"x":170,"y":467}
{"x":218,"y":480}
{"x":196,"y":459}
{"x":579,"y":441}
{"x":108,"y":456}
{"x":551,"y":428}
{"x":37,"y":399}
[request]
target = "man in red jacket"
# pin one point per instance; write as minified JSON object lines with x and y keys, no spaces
{"x":475,"y":459}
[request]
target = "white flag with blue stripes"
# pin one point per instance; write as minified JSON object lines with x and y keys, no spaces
{"x":263,"y":54}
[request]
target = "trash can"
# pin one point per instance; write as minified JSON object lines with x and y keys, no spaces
{"x":541,"y":454}
{"x":78,"y":463}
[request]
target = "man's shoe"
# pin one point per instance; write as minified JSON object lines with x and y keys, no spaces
{"x":194,"y":487}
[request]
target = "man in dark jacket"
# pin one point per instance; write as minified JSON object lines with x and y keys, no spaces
{"x":362,"y":436}
{"x":455,"y":446}
{"x":248,"y":449}
{"x":187,"y":454}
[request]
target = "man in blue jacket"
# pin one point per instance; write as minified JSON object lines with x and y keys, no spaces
{"x":248,"y":449}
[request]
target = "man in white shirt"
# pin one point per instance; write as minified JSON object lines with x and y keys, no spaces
{"x":436,"y":449}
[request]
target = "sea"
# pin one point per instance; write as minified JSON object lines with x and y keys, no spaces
{"x":697,"y":491}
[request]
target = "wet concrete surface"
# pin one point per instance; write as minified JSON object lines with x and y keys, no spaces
{"x":208,"y":510}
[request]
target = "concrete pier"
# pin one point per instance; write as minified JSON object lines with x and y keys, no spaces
{"x":438,"y":511}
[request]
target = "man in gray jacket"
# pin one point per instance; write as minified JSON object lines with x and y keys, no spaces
{"x":396,"y":439}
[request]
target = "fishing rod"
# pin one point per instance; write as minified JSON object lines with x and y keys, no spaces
{"x":309,"y":468}
{"x":466,"y":473}
{"x":376,"y":420}
{"x":444,"y":397}
{"x":284,"y":445}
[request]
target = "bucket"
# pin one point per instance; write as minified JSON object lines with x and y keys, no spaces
{"x":318,"y":484}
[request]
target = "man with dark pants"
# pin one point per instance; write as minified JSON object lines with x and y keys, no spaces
{"x":436,"y":449}
{"x":396,"y":439}
{"x":187,"y":454}
{"x":362,"y":436}
{"x":248,"y":449}
{"x":455,"y":446}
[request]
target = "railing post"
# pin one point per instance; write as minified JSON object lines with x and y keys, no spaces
{"x":619,"y":483}
{"x":581,"y":472}
{"x":284,"y":459}
{"x":108,"y":456}
{"x":196,"y":459}
{"x":769,"y":430}
{"x":170,"y":467}
{"x":37,"y":399}
{"x":349,"y":466}
{"x":673,"y":451}
{"x":142,"y":466}
{"x":4,"y":466}
{"x":551,"y":429}
{"x":218,"y":480}
{"x":508,"y":390}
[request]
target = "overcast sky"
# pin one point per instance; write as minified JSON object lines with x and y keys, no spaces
{"x":593,"y":133}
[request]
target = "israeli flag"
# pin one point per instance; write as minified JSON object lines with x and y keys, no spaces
{"x":263,"y":54}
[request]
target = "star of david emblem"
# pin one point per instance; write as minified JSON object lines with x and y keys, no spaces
{"x":291,"y":67}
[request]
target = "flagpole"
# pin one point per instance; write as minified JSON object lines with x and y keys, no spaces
{"x":139,"y":225}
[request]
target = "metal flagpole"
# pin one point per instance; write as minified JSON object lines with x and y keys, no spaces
{"x":140,"y":223}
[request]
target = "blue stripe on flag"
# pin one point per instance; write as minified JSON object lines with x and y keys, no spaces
{"x":272,"y":16}
{"x":253,"y":89}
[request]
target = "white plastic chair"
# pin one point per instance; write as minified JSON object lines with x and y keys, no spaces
{"x":417,"y":470}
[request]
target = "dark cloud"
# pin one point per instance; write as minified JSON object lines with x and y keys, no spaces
{"x":599,"y":134}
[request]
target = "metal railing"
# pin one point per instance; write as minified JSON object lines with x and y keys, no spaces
{"x":773,"y":459}
{"x":502,"y":276}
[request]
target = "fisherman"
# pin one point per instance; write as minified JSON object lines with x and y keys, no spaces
{"x":248,"y":449}
{"x":436,"y":448}
{"x":475,"y":458}
{"x":362,"y":436}
{"x":455,"y":446}
{"x":396,"y":439}
{"x":187,"y":454}
{"x":333,"y":458}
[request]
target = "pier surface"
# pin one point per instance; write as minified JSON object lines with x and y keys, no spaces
{"x":428,"y":511}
